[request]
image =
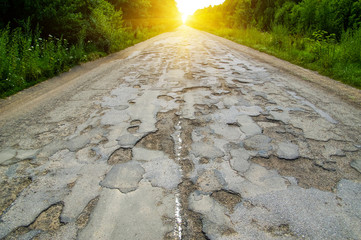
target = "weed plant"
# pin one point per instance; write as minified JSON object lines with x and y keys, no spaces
{"x":26,"y":58}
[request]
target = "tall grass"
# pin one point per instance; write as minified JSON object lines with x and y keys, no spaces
{"x":320,"y":51}
{"x":26,"y":58}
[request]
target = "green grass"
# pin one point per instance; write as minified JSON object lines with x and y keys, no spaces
{"x":27,"y":59}
{"x":321,"y":52}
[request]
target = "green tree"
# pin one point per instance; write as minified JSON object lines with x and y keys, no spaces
{"x":132,"y":9}
{"x":355,"y":15}
{"x":283,"y":16}
{"x":163,"y":9}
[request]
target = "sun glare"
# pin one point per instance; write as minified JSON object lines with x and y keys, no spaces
{"x":184,"y":17}
{"x":188,"y":7}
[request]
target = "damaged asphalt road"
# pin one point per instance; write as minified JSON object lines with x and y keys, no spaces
{"x":183,"y":136}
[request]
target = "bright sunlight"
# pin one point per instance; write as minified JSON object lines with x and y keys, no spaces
{"x":188,"y":7}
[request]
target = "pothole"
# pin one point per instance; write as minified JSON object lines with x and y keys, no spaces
{"x":229,"y":232}
{"x":49,"y":220}
{"x":165,"y":97}
{"x":281,"y":230}
{"x":133,"y":129}
{"x":305,"y":171}
{"x":135,"y":123}
{"x":14,"y":235}
{"x":227,"y":199}
{"x":204,"y":160}
{"x":10,"y":190}
{"x":122,"y":155}
{"x":186,"y":165}
{"x":83,"y":218}
{"x":185,"y":90}
{"x":161,"y":140}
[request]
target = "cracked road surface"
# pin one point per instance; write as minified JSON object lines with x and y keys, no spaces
{"x":184,"y":136}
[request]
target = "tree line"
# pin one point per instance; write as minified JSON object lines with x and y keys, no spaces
{"x":298,"y":16}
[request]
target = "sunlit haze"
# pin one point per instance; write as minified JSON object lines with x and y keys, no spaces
{"x":188,"y":7}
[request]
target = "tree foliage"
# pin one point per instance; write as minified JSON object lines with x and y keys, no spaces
{"x":90,"y":20}
{"x":298,"y":16}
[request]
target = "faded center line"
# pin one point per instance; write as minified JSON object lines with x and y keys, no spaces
{"x":178,"y":207}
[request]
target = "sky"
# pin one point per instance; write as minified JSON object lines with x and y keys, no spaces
{"x":188,"y":7}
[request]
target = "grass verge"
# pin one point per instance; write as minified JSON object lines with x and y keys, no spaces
{"x":26,"y":58}
{"x":338,"y":59}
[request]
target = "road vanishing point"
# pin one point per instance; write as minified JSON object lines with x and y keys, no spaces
{"x":184,"y":136}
